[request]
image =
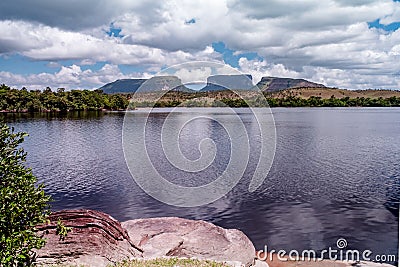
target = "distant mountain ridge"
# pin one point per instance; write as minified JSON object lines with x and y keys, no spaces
{"x":225,"y":82}
{"x":214,"y":83}
{"x":122,"y":86}
{"x":156,"y":83}
{"x":275,"y":84}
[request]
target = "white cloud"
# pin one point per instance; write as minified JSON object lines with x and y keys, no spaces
{"x":350,"y":79}
{"x":70,"y":77}
{"x":353,"y":80}
{"x":87,"y":62}
{"x":295,"y":38}
{"x":199,"y":71}
{"x":42,"y":42}
{"x":394,"y":16}
{"x":72,"y":14}
{"x":259,"y":69}
{"x":197,"y":75}
{"x":53,"y":64}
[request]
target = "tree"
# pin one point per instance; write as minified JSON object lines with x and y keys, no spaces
{"x":23,"y":205}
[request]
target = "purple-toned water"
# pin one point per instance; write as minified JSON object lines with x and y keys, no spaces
{"x":336,"y":173}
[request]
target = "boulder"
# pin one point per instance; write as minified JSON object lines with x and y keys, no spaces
{"x":177,"y":237}
{"x":94,"y":239}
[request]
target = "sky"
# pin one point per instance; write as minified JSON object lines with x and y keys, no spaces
{"x":83,"y":44}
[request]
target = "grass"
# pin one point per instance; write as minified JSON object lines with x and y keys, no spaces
{"x":163,"y":262}
{"x":170,"y":262}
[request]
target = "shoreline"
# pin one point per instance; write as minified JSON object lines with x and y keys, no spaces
{"x":188,"y":108}
{"x":97,"y":239}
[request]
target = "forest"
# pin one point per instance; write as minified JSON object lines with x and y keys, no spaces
{"x":15,"y":100}
{"x":22,"y":100}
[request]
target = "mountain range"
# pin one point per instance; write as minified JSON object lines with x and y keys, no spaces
{"x":214,"y":83}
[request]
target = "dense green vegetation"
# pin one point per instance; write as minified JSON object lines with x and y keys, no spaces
{"x":289,"y":101}
{"x":13,"y":100}
{"x":36,"y":101}
{"x":313,"y":101}
{"x":23,"y":204}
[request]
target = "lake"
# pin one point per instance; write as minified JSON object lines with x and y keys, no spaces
{"x":336,"y":173}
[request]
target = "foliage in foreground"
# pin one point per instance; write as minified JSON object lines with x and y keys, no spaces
{"x":170,"y":262}
{"x":23,"y":205}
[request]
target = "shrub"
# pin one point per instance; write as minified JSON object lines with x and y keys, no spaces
{"x":23,"y":205}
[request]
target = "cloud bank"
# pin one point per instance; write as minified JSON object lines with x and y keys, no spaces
{"x":330,"y":41}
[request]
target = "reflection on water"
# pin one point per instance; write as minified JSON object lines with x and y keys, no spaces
{"x":336,"y":174}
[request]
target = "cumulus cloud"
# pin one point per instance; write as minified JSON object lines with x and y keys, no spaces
{"x":294,"y":38}
{"x":391,"y":17}
{"x":72,"y":14}
{"x":260,"y":68}
{"x":198,"y":75}
{"x":67,"y":77}
{"x":42,"y":42}
{"x":199,"y":71}
{"x":350,"y":79}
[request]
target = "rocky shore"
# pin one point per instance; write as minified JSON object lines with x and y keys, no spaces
{"x":96,"y":239}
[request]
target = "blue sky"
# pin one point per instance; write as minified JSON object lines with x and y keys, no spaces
{"x":391,"y":27}
{"x":347,"y":44}
{"x":232,"y":57}
{"x":19,"y":64}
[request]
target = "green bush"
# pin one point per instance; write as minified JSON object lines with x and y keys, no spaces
{"x":23,"y":204}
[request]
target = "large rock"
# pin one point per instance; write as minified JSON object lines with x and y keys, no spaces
{"x":177,"y":237}
{"x":95,"y":239}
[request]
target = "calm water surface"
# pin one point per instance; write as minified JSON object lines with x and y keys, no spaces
{"x":336,"y":174}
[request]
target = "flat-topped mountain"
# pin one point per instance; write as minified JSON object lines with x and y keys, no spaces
{"x":156,"y":83}
{"x":214,"y":83}
{"x":225,"y":82}
{"x":163,"y":83}
{"x":122,"y":86}
{"x":275,"y":84}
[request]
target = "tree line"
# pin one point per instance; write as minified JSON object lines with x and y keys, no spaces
{"x":288,"y":101}
{"x":15,"y":100}
{"x":316,"y":101}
